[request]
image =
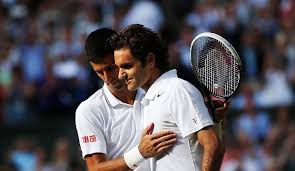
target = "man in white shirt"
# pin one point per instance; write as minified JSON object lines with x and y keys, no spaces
{"x":109,"y":123}
{"x":170,"y":102}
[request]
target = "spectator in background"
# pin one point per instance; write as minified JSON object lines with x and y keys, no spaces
{"x":23,"y":155}
{"x":250,"y":54}
{"x":254,"y":124}
{"x":61,"y":157}
{"x":183,"y":64}
{"x":32,"y":54}
{"x":68,"y":69}
{"x":205,"y":15}
{"x":275,"y":83}
{"x":139,"y":13}
{"x":89,"y":19}
{"x":9,"y":57}
{"x":64,"y":53}
{"x":16,"y":110}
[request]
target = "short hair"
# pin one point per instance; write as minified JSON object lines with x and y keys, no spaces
{"x":141,"y":41}
{"x":98,"y":45}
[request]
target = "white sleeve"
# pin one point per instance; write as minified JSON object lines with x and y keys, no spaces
{"x":90,"y":131}
{"x":189,"y":110}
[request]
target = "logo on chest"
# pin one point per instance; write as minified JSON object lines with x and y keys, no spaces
{"x":160,"y":94}
{"x":195,"y":120}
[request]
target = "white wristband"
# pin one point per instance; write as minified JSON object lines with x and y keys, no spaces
{"x":133,"y":157}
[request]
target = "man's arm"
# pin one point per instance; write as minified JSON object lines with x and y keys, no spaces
{"x":151,"y":145}
{"x":212,"y":159}
{"x":98,"y":161}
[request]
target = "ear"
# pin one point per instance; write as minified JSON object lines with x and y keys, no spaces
{"x":151,"y":60}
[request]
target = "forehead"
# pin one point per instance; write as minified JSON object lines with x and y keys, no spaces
{"x":105,"y":62}
{"x":123,"y":56}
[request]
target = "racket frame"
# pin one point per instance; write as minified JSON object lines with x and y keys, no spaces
{"x":204,"y":90}
{"x":233,"y":52}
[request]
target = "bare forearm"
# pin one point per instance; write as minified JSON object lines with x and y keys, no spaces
{"x":211,"y":159}
{"x":110,"y":165}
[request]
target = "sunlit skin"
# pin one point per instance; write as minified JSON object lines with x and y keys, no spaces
{"x":133,"y":72}
{"x":108,"y":71}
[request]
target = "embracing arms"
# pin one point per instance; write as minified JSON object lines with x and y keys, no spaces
{"x":151,"y":145}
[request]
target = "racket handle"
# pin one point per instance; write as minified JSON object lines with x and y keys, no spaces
{"x":218,"y":128}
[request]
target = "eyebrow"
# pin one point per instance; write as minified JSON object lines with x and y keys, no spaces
{"x":98,"y":71}
{"x":124,"y":65}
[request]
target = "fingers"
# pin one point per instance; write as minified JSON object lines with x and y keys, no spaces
{"x":165,"y":139}
{"x":220,"y":112}
{"x":149,"y":129}
{"x":150,"y":144}
{"x":162,"y":133}
{"x":224,"y":108}
{"x":165,"y":143}
{"x":164,"y":149}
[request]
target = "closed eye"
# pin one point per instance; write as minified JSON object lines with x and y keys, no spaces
{"x":107,"y":69}
{"x":110,"y":68}
{"x":126,"y":66}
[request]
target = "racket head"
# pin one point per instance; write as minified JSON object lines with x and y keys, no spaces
{"x":216,"y":64}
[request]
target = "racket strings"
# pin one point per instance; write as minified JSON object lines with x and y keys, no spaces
{"x":216,"y":66}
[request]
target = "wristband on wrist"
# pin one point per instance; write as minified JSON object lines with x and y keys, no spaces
{"x":133,"y":158}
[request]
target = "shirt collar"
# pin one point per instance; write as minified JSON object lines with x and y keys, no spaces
{"x":113,"y":101}
{"x":109,"y":97}
{"x":157,"y":87}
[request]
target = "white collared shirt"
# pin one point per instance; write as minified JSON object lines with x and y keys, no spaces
{"x":174,"y":104}
{"x":107,"y":125}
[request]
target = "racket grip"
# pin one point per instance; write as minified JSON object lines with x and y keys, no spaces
{"x":218,"y":128}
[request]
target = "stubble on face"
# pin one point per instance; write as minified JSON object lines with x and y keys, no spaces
{"x":107,"y":71}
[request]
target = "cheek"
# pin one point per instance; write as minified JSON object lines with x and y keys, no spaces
{"x":114,"y":75}
{"x":141,"y":76}
{"x":100,"y":76}
{"x":131,"y":73}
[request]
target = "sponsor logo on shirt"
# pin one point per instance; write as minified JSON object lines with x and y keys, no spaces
{"x":160,"y":94}
{"x":87,"y":139}
{"x":195,"y":120}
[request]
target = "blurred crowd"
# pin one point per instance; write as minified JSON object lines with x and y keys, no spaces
{"x":45,"y":74}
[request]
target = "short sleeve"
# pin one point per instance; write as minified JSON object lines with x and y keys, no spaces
{"x":90,"y":130}
{"x":188,"y":109}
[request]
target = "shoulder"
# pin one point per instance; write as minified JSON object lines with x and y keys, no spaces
{"x":91,"y":106}
{"x":182,"y":89}
{"x":177,"y":84}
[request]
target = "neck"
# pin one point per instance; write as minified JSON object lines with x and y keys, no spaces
{"x":124,"y":95}
{"x":155,"y":74}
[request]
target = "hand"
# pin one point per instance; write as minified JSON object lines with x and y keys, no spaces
{"x":155,"y":144}
{"x":220,"y":107}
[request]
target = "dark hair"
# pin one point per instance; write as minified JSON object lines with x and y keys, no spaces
{"x":98,"y":45}
{"x":141,"y":41}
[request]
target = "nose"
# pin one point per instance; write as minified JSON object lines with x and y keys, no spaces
{"x":107,"y":77}
{"x":122,"y":74}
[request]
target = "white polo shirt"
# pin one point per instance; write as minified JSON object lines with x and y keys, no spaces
{"x":107,"y":125}
{"x":174,"y":104}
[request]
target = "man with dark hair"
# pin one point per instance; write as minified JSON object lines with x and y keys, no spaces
{"x":170,"y":102}
{"x":109,"y":123}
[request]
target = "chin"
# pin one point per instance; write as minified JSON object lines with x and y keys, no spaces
{"x":118,"y":85}
{"x":132,"y":88}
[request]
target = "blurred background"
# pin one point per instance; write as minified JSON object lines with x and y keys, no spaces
{"x":44,"y":74}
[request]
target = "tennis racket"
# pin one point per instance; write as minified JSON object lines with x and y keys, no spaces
{"x":216,"y":66}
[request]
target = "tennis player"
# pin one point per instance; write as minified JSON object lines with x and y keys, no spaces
{"x":109,"y":123}
{"x":170,"y":102}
